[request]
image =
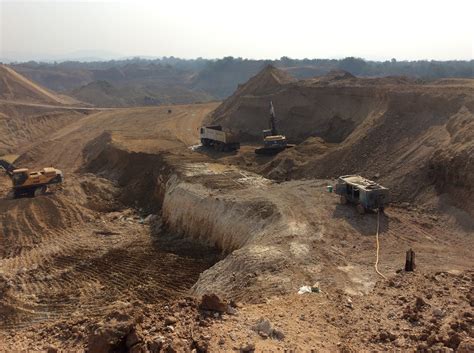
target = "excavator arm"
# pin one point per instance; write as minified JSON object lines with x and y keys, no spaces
{"x":8,"y":167}
{"x":273,"y":120}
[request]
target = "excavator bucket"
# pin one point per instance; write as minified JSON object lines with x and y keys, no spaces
{"x":269,"y":151}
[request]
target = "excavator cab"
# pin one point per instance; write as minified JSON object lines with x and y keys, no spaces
{"x":19,"y":176}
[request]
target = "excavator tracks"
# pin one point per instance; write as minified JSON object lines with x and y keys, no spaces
{"x":60,"y":260}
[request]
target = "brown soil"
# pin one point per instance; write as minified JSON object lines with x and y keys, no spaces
{"x":416,"y":138}
{"x":118,"y":256}
{"x":14,"y":86}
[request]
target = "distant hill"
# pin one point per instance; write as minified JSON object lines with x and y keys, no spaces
{"x":105,"y":94}
{"x":16,"y":87}
{"x":204,"y":79}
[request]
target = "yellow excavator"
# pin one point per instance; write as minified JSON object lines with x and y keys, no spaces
{"x":273,"y":142}
{"x":33,"y":183}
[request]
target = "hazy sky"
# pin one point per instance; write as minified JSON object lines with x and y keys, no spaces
{"x":372,"y":29}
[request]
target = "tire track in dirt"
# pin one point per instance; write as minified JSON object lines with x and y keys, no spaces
{"x":127,"y":273}
{"x":58,"y":265}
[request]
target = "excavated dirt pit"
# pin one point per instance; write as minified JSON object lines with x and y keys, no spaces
{"x":83,"y":257}
{"x":63,"y":259}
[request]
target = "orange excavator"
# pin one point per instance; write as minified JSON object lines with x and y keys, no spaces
{"x":32,"y":183}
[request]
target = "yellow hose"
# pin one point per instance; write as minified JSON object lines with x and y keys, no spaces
{"x":378,"y":246}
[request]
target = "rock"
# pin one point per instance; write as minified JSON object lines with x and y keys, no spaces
{"x":432,"y":339}
{"x":247,"y":347}
{"x":212,"y":302}
{"x":133,"y":338}
{"x":277,"y":334}
{"x":201,"y":345}
{"x":103,"y":340}
{"x":221,"y":341}
{"x":419,"y":303}
{"x":263,"y":326}
{"x":138,"y":348}
{"x":440,"y":348}
{"x":399,"y":342}
{"x":453,"y":341}
{"x":383,"y":335}
{"x":108,"y":338}
{"x":170,"y":320}
{"x":120,"y":315}
{"x":169,"y":348}
{"x":231,"y":310}
{"x":438,"y":313}
{"x":51,"y":349}
{"x":155,"y":345}
{"x":466,"y":346}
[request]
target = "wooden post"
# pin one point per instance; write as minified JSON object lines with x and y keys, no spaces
{"x":410,"y":261}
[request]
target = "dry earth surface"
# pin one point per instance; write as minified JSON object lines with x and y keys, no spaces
{"x":147,"y":222}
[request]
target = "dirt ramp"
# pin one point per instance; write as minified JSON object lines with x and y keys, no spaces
{"x":14,"y":86}
{"x":22,"y":126}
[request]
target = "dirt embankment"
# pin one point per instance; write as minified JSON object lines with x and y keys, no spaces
{"x":416,"y":138}
{"x":185,"y":193}
{"x":16,"y":87}
{"x":22,"y":125}
{"x":268,"y":229}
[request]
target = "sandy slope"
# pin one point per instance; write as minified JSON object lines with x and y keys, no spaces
{"x":14,"y":86}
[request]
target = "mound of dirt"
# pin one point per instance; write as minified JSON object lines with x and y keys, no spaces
{"x":412,"y":135}
{"x":337,"y":75}
{"x":16,"y":87}
{"x":303,"y":108}
{"x":241,"y":111}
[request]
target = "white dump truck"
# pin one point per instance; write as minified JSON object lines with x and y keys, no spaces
{"x":213,"y":136}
